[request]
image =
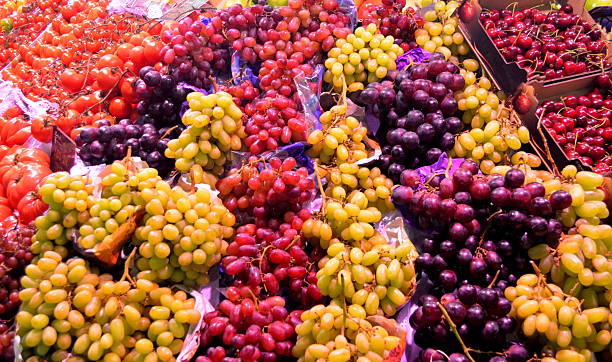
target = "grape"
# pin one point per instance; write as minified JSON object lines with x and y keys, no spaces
{"x":145,"y":316}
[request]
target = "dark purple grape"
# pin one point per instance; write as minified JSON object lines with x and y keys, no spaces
{"x":540,"y":206}
{"x":476,"y":315}
{"x":448,"y":279}
{"x":456,"y":311}
{"x":517,"y":353}
{"x":104,"y":134}
{"x":500,"y":196}
{"x":536,"y":189}
{"x":89,"y":134}
{"x":493,"y":260}
{"x":487,"y":297}
{"x":520,"y":197}
{"x":448,"y":106}
{"x":462,"y":179}
{"x":464,"y":256}
{"x":463,"y":197}
{"x":506,"y":324}
{"x":514,"y":178}
{"x":478,"y":267}
{"x":455,"y":125}
{"x":410,"y":140}
{"x":132,"y":131}
{"x":502,"y":307}
{"x":458,"y":357}
{"x":467,"y":294}
{"x":560,"y":199}
{"x":490,"y":331}
{"x":96,"y":149}
{"x":458,"y":233}
{"x":426,"y":133}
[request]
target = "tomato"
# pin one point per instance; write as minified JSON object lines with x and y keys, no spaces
{"x":30,"y":207}
{"x":19,"y":137}
{"x":72,"y":80}
{"x":109,"y":60}
{"x":5,"y":212}
{"x":152,"y":49}
{"x":123,"y":51}
{"x":128,"y":90}
{"x":108,"y":77}
{"x":25,"y":180}
{"x":119,"y":108}
{"x":42,"y":129}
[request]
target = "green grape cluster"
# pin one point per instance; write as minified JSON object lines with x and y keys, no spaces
{"x":363,"y":57}
{"x":490,"y":145}
{"x":440,"y":33}
{"x":68,"y":198}
{"x":580,"y":263}
{"x":545,"y":310}
{"x":70,"y":310}
{"x":379,"y":279}
{"x":587,"y":197}
{"x":76,"y":211}
{"x":182,"y":235}
{"x":340,"y":140}
{"x":337,"y":333}
{"x":214,"y":129}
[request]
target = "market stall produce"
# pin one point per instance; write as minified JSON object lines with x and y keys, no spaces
{"x":305,"y":180}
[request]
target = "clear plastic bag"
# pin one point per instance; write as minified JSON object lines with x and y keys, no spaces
{"x":309,"y":92}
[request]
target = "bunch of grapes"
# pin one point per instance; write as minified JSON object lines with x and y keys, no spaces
{"x":235,"y":28}
{"x":380,"y":279}
{"x":400,"y":24}
{"x":69,"y":309}
{"x":192,"y":53}
{"x":159,"y":98}
{"x":267,"y":192}
{"x":544,"y":309}
{"x":67,"y":197}
{"x":477,"y":99}
{"x":183,"y":234}
{"x":273,"y":121}
{"x":338,"y":332}
{"x":440,"y":32}
{"x":579,"y":258}
{"x":15,"y":244}
{"x":268,"y":261}
{"x":416,"y":111}
{"x":341,"y":138}
{"x":107,"y":143}
{"x":363,"y":57}
{"x":480,"y":315}
{"x":244,"y":93}
{"x":241,"y":330}
{"x":493,"y":142}
{"x":214,"y":129}
{"x":587,"y":197}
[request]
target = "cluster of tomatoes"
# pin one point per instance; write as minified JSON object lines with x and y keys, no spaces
{"x":86,"y":62}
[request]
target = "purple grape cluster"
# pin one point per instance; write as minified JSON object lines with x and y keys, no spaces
{"x":160,"y":98}
{"x":416,"y":110}
{"x":481,"y":228}
{"x":108,"y":143}
{"x":480,"y":316}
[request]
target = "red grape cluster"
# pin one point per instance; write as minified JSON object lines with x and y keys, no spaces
{"x":268,"y":255}
{"x":554,"y":43}
{"x":235,"y":27}
{"x":267,"y":192}
{"x":581,"y":125}
{"x":267,"y":261}
{"x":192,"y":52}
{"x":400,"y":25}
{"x":242,"y":330}
{"x":273,"y":121}
{"x":416,"y":110}
{"x":243,"y":93}
{"x":15,"y":255}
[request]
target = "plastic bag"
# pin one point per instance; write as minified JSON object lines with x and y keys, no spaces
{"x":413,"y":56}
{"x":309,"y":92}
{"x":296,"y":150}
{"x":241,"y":71}
{"x":348,"y":7}
{"x":205,"y":299}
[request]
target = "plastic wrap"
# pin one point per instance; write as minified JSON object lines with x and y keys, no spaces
{"x":309,"y":92}
{"x":204,"y":303}
{"x":349,"y":8}
{"x":413,"y":56}
{"x":296,"y":150}
{"x":241,"y":71}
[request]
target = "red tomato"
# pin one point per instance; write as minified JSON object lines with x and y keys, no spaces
{"x":42,"y":129}
{"x":30,"y":207}
{"x":109,"y":60}
{"x":119,"y":108}
{"x":108,"y":77}
{"x":25,"y":180}
{"x":19,"y":137}
{"x":72,"y":80}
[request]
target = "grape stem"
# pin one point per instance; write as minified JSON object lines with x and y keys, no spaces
{"x":494,"y":279}
{"x":126,"y":267}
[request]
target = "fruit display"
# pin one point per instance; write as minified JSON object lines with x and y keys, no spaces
{"x":565,"y":43}
{"x":301,"y":180}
